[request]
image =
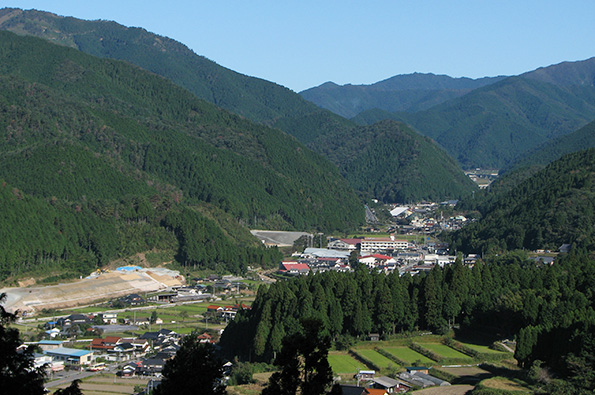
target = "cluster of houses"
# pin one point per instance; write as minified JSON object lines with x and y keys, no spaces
{"x":147,"y":353}
{"x":414,"y":377}
{"x":382,"y":254}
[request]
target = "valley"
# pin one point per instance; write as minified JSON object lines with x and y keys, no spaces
{"x":170,"y":226}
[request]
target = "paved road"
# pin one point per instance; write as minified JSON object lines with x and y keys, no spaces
{"x":66,"y":377}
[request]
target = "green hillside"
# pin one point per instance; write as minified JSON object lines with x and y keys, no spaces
{"x":553,"y":207}
{"x":392,"y":163}
{"x":408,"y":93}
{"x":250,"y":97}
{"x":85,"y":132}
{"x":579,"y":140}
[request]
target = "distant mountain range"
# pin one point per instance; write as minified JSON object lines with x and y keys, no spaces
{"x":402,"y":93}
{"x":491,"y":124}
{"x":253,"y":98}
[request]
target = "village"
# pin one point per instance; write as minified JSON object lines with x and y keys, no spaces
{"x":132,"y":336}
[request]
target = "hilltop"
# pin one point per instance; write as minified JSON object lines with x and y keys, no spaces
{"x":391,"y":162}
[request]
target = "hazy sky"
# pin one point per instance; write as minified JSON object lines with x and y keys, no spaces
{"x":301,"y":44}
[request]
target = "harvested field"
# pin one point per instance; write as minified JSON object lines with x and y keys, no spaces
{"x":448,"y":390}
{"x":502,"y":383}
{"x":468,"y":374}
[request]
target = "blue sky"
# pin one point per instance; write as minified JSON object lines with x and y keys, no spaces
{"x":301,"y":44}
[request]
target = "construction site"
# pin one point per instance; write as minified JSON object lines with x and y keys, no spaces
{"x":98,"y":287}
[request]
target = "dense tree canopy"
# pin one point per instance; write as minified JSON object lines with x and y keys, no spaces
{"x":17,"y":372}
{"x":504,"y":296}
{"x":196,"y":369}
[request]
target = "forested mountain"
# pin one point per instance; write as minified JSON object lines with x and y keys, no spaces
{"x":497,"y":124}
{"x":579,"y":140}
{"x":88,"y":134}
{"x":253,"y":98}
{"x":391,"y":162}
{"x":256,"y":99}
{"x":548,"y":308}
{"x":553,"y":207}
{"x":407,"y":93}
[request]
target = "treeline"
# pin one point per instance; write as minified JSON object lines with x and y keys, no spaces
{"x":504,"y":296}
{"x":553,"y":207}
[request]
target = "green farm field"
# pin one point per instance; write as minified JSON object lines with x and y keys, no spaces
{"x":408,"y":355}
{"x":376,"y":358}
{"x":445,"y":351}
{"x":344,"y":363}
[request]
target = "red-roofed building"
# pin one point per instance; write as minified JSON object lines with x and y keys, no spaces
{"x":294,"y":268}
{"x":205,"y":338}
{"x":105,"y":344}
{"x":214,"y":308}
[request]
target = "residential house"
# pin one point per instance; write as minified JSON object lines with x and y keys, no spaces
{"x":152,"y":365}
{"x":109,"y":318}
{"x":132,"y":300}
{"x":376,"y":260}
{"x":105,"y":344}
{"x":73,"y":319}
{"x":294,"y":268}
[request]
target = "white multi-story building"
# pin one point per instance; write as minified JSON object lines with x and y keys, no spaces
{"x":377,"y":244}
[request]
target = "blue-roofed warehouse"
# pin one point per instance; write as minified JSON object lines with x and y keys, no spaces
{"x":71,"y":355}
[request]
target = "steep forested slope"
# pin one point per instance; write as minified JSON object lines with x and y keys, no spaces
{"x":492,"y":126}
{"x":253,"y":98}
{"x":554,"y":206}
{"x":408,"y":93}
{"x":581,"y":139}
{"x":393,"y":163}
{"x":81,"y":132}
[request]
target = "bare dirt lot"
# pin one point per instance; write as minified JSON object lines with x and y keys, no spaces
{"x":86,"y":291}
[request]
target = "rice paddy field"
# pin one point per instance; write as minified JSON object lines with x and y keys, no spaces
{"x":376,"y":358}
{"x":343,"y":363}
{"x":445,"y":351}
{"x":406,"y":354}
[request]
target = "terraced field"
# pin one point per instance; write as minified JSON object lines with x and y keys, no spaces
{"x":342,"y":363}
{"x":378,"y":359}
{"x":445,"y":351}
{"x":406,"y":354}
{"x":483,"y":349}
